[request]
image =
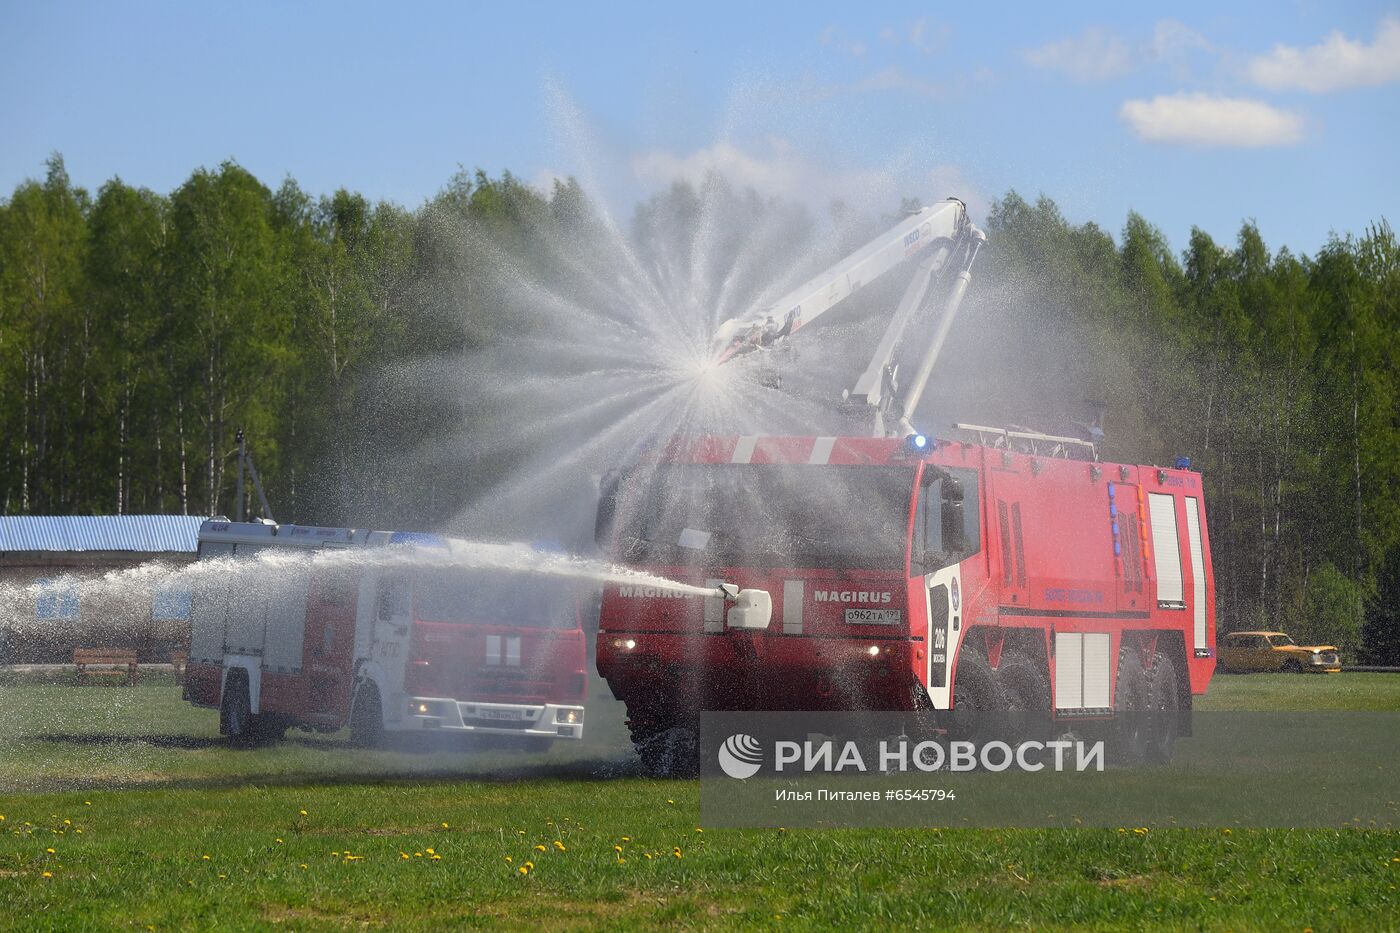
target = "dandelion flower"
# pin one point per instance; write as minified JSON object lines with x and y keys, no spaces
{"x":302,"y":812}
{"x":205,"y":857}
{"x":617,"y":848}
{"x":646,"y":855}
{"x":539,"y":848}
{"x":67,"y":822}
{"x":223,"y":876}
{"x":404,"y":855}
{"x":78,"y":831}
{"x":530,"y":865}
{"x":48,"y":874}
{"x":437,"y":858}
{"x":87,"y":803}
{"x":50,"y":851}
{"x":676,"y":851}
{"x":671,"y":802}
{"x":509,"y":859}
{"x":523,"y":870}
{"x":430,"y":850}
{"x":445,"y":826}
{"x":699,"y":830}
{"x":626,"y":838}
{"x":302,"y":865}
{"x":559,"y":844}
{"x":279,"y":840}
{"x":417,"y":854}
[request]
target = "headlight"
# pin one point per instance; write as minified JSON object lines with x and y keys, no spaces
{"x":624,"y":644}
{"x":873,"y":651}
{"x":569,"y":716}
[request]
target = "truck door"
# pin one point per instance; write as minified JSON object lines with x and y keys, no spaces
{"x":393,"y":621}
{"x":946,"y":531}
{"x":330,"y":644}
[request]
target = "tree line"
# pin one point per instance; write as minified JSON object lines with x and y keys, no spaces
{"x":140,"y":331}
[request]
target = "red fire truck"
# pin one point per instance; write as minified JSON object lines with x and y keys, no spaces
{"x":381,"y":646}
{"x":1006,"y":571}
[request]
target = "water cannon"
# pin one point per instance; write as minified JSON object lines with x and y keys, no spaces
{"x":751,"y":609}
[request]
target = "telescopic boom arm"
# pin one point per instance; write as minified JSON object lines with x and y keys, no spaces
{"x":945,"y":238}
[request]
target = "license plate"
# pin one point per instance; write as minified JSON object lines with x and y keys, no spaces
{"x":486,"y":713}
{"x":873,"y":616}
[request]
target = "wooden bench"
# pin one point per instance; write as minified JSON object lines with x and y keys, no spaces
{"x":120,"y":661}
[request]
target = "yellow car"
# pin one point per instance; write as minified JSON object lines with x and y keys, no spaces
{"x":1241,"y":652}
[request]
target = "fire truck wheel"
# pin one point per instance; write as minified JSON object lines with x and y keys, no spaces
{"x":670,"y":753}
{"x":235,"y":712}
{"x":1130,"y":707}
{"x":977,"y":698}
{"x":367,"y":717}
{"x":1025,"y":687}
{"x":1163,"y":703}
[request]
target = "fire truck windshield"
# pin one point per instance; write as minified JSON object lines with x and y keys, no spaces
{"x":850,"y":517}
{"x":493,"y":599}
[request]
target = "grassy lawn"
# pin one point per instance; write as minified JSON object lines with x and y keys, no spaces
{"x":131,"y":789}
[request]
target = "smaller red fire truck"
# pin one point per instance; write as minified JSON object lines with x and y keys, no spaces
{"x":383,"y":646}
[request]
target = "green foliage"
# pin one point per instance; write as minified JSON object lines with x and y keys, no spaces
{"x":1331,"y":611}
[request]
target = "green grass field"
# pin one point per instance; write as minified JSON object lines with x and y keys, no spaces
{"x":123,"y":809}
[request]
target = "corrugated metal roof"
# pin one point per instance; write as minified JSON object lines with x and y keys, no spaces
{"x":144,"y":533}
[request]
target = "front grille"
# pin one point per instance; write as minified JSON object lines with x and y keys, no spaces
{"x":498,"y":723}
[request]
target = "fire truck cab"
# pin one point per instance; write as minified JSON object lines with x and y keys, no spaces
{"x":907,"y":575}
{"x":383,"y":646}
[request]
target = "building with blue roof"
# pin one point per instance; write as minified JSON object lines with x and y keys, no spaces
{"x":54,"y":551}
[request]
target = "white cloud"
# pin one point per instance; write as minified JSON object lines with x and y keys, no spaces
{"x":1203,"y":120}
{"x":895,"y":78}
{"x":835,"y":38}
{"x":1172,"y":39}
{"x":1336,"y":62}
{"x":928,"y":36}
{"x":1094,"y":56}
{"x":1099,"y":54}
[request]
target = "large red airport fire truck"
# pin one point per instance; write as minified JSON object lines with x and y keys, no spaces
{"x":383,"y":646}
{"x":1003,"y":571}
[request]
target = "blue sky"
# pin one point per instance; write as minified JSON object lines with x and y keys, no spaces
{"x":1287,"y":113}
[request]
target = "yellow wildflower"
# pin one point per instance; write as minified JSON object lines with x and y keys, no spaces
{"x":302,"y":865}
{"x":50,"y":851}
{"x":205,"y":857}
{"x":699,"y":830}
{"x":676,"y":851}
{"x":403,"y":855}
{"x":539,"y":848}
{"x":559,"y":844}
{"x":523,"y":870}
{"x":67,"y":822}
{"x":530,"y":865}
{"x":302,"y":812}
{"x":509,"y":859}
{"x":445,"y":826}
{"x":430,"y":850}
{"x":48,"y":874}
{"x":617,"y":848}
{"x":279,"y":840}
{"x":437,"y":858}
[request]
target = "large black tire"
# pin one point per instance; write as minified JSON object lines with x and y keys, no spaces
{"x":672,"y":752}
{"x":235,"y":708}
{"x":1130,"y":706}
{"x":1025,"y":689}
{"x":977,"y":699}
{"x":1164,"y":706}
{"x":367,"y":717}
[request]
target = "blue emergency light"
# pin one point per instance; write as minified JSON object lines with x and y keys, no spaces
{"x":1183,"y":463}
{"x":916,"y":443}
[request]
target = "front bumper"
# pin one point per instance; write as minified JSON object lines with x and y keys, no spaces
{"x":444,"y":714}
{"x":1327,"y":663}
